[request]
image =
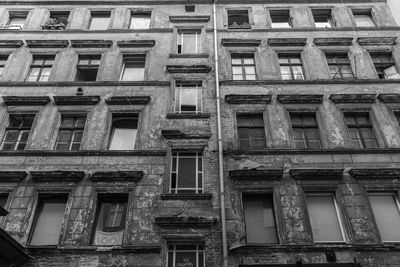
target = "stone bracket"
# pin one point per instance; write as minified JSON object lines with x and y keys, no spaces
{"x":91,"y":43}
{"x":188,"y":69}
{"x":189,"y":19}
{"x":76,"y":100}
{"x":248,"y":99}
{"x":57,"y":176}
{"x":300,"y":99}
{"x":178,"y":134}
{"x":287,"y":41}
{"x":333,"y":41}
{"x":200,"y":196}
{"x":136,"y":43}
{"x":389,"y":98}
{"x":185,"y":221}
{"x":128,"y":100}
{"x":377,"y":40}
{"x":385,"y":173}
{"x":266,"y":174}
{"x":26,"y":100}
{"x":316,"y":173}
{"x":47,"y":43}
{"x":11,"y":43}
{"x":240,"y":42}
{"x":12,"y":175}
{"x":352,"y":98}
{"x":116,"y":176}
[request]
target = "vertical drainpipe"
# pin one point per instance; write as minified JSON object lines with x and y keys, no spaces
{"x":219,"y":134}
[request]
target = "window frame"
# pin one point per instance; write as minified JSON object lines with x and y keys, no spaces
{"x":363,"y":12}
{"x":302,"y":126}
{"x":197,"y":85}
{"x":197,"y":251}
{"x":242,"y":57}
{"x":133,"y":58}
{"x":326,"y":13}
{"x":370,"y":125}
{"x":98,"y":14}
{"x":337,"y":55}
{"x":20,"y":129}
{"x":180,"y":34}
{"x":116,"y":116}
{"x":280,"y":13}
{"x":57,"y":14}
{"x":132,"y":13}
{"x":89,"y":66}
{"x":44,"y":58}
{"x":249,"y":114}
{"x":73,"y":129}
{"x":248,"y":10}
{"x":17,"y":14}
{"x":175,"y":155}
{"x":290,"y":57}
{"x":378,"y":64}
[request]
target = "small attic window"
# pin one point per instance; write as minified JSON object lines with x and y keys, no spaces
{"x":238,"y":19}
{"x":189,"y":8}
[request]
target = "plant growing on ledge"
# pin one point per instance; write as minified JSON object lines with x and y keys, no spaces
{"x":55,"y":24}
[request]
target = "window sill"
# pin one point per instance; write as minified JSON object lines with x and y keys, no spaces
{"x":170,"y":196}
{"x":321,"y":81}
{"x":188,"y":116}
{"x":52,"y":153}
{"x":198,"y":55}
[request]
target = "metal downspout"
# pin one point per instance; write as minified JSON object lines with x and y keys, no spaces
{"x":219,"y":134}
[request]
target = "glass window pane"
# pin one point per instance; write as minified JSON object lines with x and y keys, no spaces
{"x":132,"y":72}
{"x":187,"y":173}
{"x":17,"y":21}
{"x":140,"y":21}
{"x":189,"y":43}
{"x":188,"y":99}
{"x":364,"y":21}
{"x":123,"y":139}
{"x":99,"y":22}
{"x":33,"y":75}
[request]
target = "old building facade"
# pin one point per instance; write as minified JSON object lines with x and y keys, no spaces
{"x":201,"y":133}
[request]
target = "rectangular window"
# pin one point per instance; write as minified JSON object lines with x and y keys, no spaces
{"x":385,"y":207}
{"x":363,"y":18}
{"x":188,"y":97}
{"x":133,"y":68}
{"x":189,"y":41}
{"x":280,"y":19}
{"x":325,"y":218}
{"x":3,"y":200}
{"x":323,"y":18}
{"x":339,"y":66}
{"x":40,"y":69}
{"x":187,"y":173}
{"x":243,"y":67}
{"x":185,"y":255}
{"x":123,"y":132}
{"x":87,"y":68}
{"x":305,"y":130}
{"x":17,"y":132}
{"x":291,"y":67}
{"x":70,"y":133}
{"x":3,"y":62}
{"x":16,"y":20}
{"x":58,"y":20}
{"x":110,"y":221}
{"x":140,"y":20}
{"x":385,"y":66}
{"x":48,"y":222}
{"x":260,"y":219}
{"x":251,"y":131}
{"x":99,"y":21}
{"x":360,"y":130}
{"x":238,"y":19}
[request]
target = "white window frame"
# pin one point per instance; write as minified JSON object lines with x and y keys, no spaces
{"x":177,"y":156}
{"x":181,"y":34}
{"x":178,"y":97}
{"x":197,"y":251}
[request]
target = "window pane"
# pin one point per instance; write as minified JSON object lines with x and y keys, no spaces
{"x":123,"y":139}
{"x":364,"y":21}
{"x":140,"y":21}
{"x":187,"y":173}
{"x":48,"y":225}
{"x":188,"y":99}
{"x":99,"y":22}
{"x":17,"y":21}
{"x":324,"y":218}
{"x":189,"y":43}
{"x":132,"y":72}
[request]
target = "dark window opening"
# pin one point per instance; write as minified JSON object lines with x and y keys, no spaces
{"x":251,"y":131}
{"x":3,"y":200}
{"x":323,"y":18}
{"x":87,"y":68}
{"x":305,"y":130}
{"x":280,"y":18}
{"x":361,"y":130}
{"x":58,"y":20}
{"x":238,"y":19}
{"x":385,"y":66}
{"x":17,"y":132}
{"x":187,"y":173}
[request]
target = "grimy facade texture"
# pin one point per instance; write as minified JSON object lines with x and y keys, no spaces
{"x":200,"y":133}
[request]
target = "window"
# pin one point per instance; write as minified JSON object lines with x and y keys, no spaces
{"x":339,"y":66}
{"x":16,"y":20}
{"x":323,"y":18}
{"x":40,"y":69}
{"x":305,"y":130}
{"x":3,"y":200}
{"x":58,"y":20}
{"x":238,"y":19}
{"x":385,"y":66}
{"x":123,"y":132}
{"x":188,"y":41}
{"x":3,"y":62}
{"x":251,"y":131}
{"x":17,"y":132}
{"x":185,"y":255}
{"x":280,"y":19}
{"x":385,"y":207}
{"x":48,"y":222}
{"x":99,"y":21}
{"x":140,"y":20}
{"x":188,"y":97}
{"x":291,"y":67}
{"x":243,"y":67}
{"x":133,"y":68}
{"x":87,"y":67}
{"x":363,"y":18}
{"x":259,"y":219}
{"x":360,"y":130}
{"x":397,"y":115}
{"x":110,"y":221}
{"x":187,"y":173}
{"x":70,"y":133}
{"x":325,"y":218}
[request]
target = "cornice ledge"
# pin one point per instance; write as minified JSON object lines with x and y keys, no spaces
{"x":260,"y":174}
{"x":300,"y":99}
{"x":11,"y":43}
{"x":248,"y":99}
{"x":287,"y":41}
{"x":233,"y":42}
{"x":188,"y":116}
{"x":47,"y":43}
{"x":116,"y":176}
{"x":340,"y":41}
{"x":199,"y":196}
{"x":377,"y":40}
{"x":189,"y":55}
{"x":189,"y":19}
{"x":12,"y":175}
{"x":335,"y":173}
{"x":178,"y":134}
{"x":179,"y":221}
{"x":57,"y":176}
{"x":76,"y":100}
{"x":389,"y":98}
{"x":136,"y":43}
{"x":91,"y":43}
{"x":375,"y":173}
{"x":128,"y":100}
{"x":352,"y":98}
{"x":26,"y":100}
{"x":188,"y":69}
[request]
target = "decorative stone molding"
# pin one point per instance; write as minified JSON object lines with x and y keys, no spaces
{"x":57,"y":176}
{"x":76,"y":100}
{"x":248,"y":99}
{"x":12,"y":175}
{"x":287,"y":41}
{"x":188,"y":69}
{"x":189,"y":19}
{"x":375,"y":173}
{"x":192,"y":221}
{"x":47,"y":43}
{"x":262,"y":174}
{"x":26,"y":100}
{"x":188,"y":116}
{"x":377,"y":40}
{"x":202,"y":196}
{"x":178,"y":134}
{"x":11,"y":43}
{"x":116,"y":176}
{"x":352,"y":98}
{"x":91,"y":43}
{"x":136,"y":43}
{"x":128,"y":100}
{"x":300,"y":99}
{"x":194,"y":55}
{"x":240,"y":42}
{"x":333,"y":41}
{"x":316,"y":173}
{"x":389,"y":98}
